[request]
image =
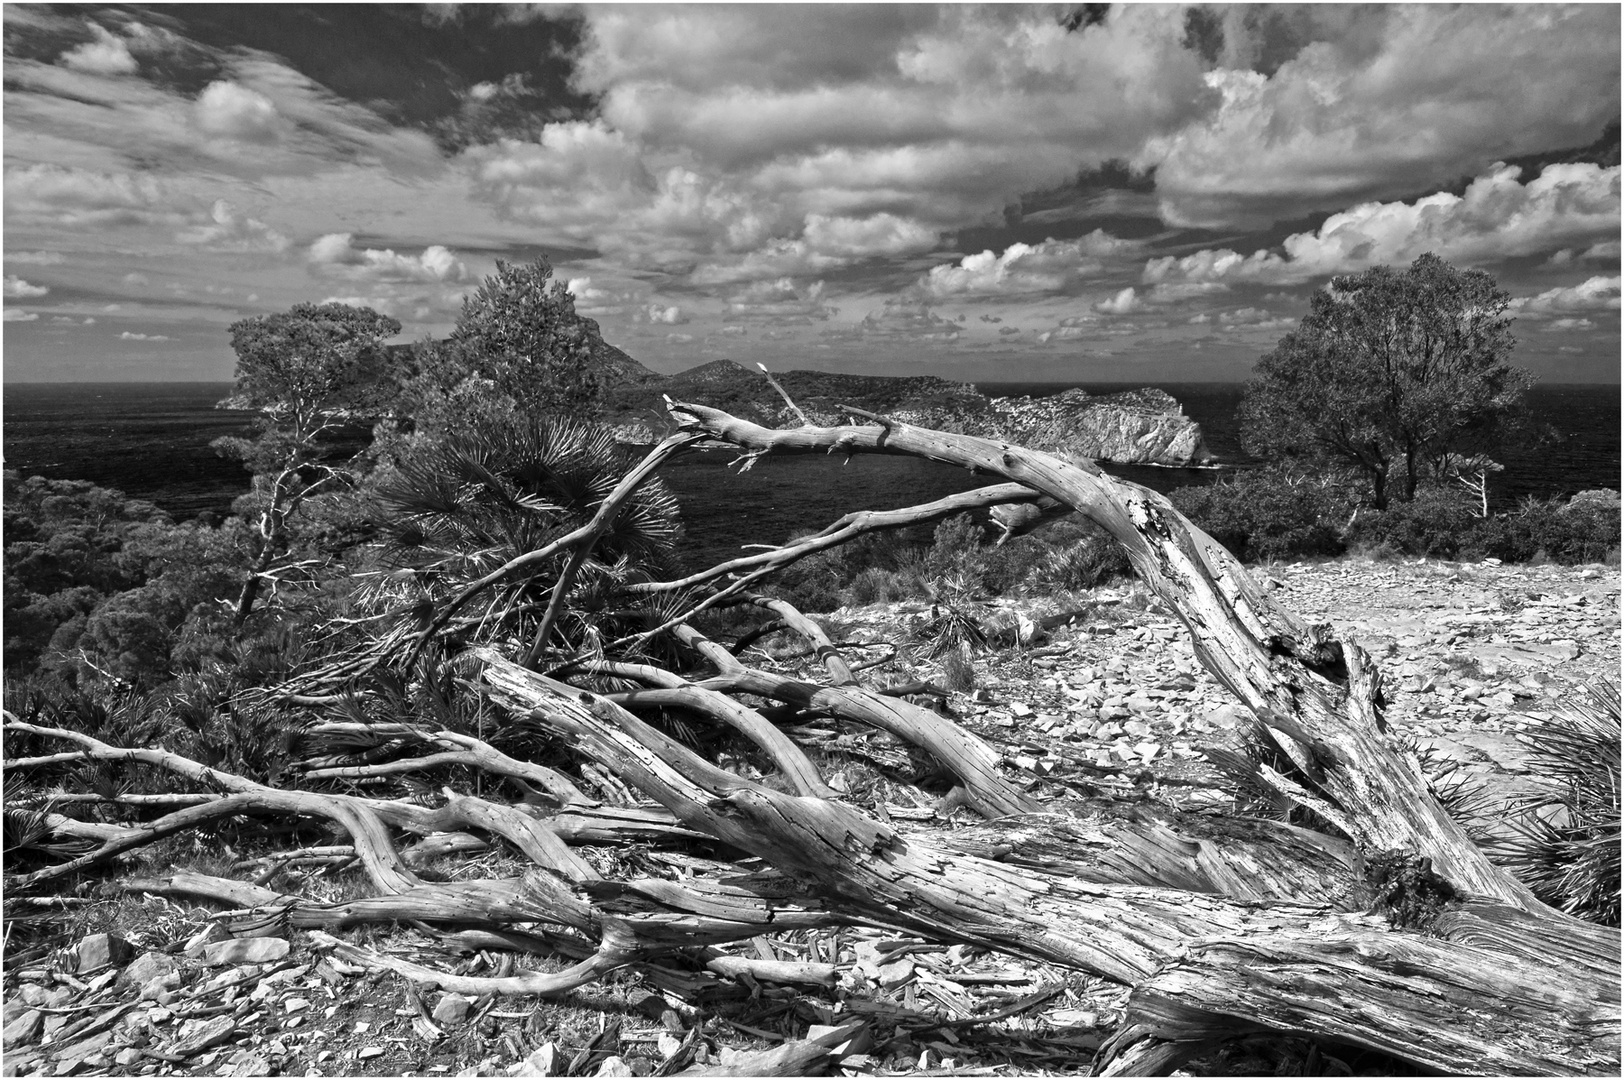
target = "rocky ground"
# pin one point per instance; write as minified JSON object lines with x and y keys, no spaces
{"x":1112,"y":701}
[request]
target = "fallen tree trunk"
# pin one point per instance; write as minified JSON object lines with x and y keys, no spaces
{"x":1390,"y":932}
{"x":1343,"y":977}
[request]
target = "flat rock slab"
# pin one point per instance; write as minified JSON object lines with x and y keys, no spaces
{"x":259,"y":950}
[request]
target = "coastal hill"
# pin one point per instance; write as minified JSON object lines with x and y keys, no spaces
{"x":1146,"y":427}
{"x":1142,"y":427}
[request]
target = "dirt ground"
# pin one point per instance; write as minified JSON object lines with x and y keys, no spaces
{"x":1112,"y":702}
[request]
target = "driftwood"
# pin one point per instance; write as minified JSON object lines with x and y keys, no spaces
{"x":1391,"y":932}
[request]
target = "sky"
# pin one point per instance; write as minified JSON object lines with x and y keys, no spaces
{"x":1096,"y":192}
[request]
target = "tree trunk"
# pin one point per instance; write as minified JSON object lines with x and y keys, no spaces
{"x":1390,"y":931}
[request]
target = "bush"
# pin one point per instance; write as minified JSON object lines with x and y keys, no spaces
{"x":1585,"y":529}
{"x":1565,"y":843}
{"x":1438,"y":524}
{"x":1270,"y":513}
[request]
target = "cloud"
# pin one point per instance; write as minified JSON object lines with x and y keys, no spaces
{"x":1561,"y":325}
{"x":1120,"y":304}
{"x":383,"y":305}
{"x":106,"y":54}
{"x":230,"y":231}
{"x":229,"y":110}
{"x":1051,"y":266}
{"x":1496,"y":218}
{"x":36,"y":258}
{"x":1253,"y":318}
{"x":18,"y":289}
{"x":1592,"y":295}
{"x":1382,"y":101}
{"x":18,"y":315}
{"x":334,"y":255}
{"x":130,"y":336}
{"x":735,"y":330}
{"x":904,"y":318}
{"x":1607,"y":251}
{"x":679,"y":339}
{"x":74,"y":196}
{"x":862,"y":237}
{"x":782,"y":301}
{"x":670,"y":316}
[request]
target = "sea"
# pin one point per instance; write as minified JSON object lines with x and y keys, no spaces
{"x":151,"y":441}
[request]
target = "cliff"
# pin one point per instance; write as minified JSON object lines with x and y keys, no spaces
{"x":1146,"y":427}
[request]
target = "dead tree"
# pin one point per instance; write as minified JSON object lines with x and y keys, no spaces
{"x":1391,"y":931}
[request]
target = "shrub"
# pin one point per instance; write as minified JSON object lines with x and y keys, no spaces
{"x":1585,"y":529}
{"x":1437,"y":524}
{"x":1565,"y":844}
{"x":1270,"y":513}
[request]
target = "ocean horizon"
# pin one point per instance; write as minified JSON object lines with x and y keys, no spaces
{"x":151,"y":441}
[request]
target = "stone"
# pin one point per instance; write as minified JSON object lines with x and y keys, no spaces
{"x":451,"y":1009}
{"x":542,"y":1062}
{"x":204,"y":938}
{"x":246,"y":1063}
{"x":127,"y":1056}
{"x":147,"y":967}
{"x":1228,"y":717}
{"x":24,"y":1029}
{"x":258,"y":950}
{"x":367,"y":1052}
{"x":894,"y":974}
{"x":614,"y":1065}
{"x":160,"y":988}
{"x":208,"y":1034}
{"x":102,"y":950}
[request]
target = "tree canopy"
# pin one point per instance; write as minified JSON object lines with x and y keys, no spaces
{"x":519,"y":330}
{"x":311,"y":358}
{"x":1392,"y":372}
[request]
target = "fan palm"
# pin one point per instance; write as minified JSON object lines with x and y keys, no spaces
{"x":462,"y":505}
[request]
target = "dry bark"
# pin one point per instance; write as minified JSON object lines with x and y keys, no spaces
{"x":1397,"y":936}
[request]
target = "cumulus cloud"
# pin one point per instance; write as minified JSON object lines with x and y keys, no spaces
{"x":18,"y":289}
{"x":229,"y":110}
{"x":1120,"y":304}
{"x":862,"y":237}
{"x":19,"y":315}
{"x":132,"y":336}
{"x":1253,"y":318}
{"x":1051,"y":266}
{"x":1386,"y":100}
{"x":228,"y":230}
{"x":335,"y":255}
{"x":735,"y":330}
{"x":105,"y":54}
{"x":1607,"y":251}
{"x":782,"y":301}
{"x":671,"y":316}
{"x":1592,"y":295}
{"x":1497,"y":218}
{"x":903,"y":318}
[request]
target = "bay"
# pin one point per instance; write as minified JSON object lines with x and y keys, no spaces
{"x":151,"y":441}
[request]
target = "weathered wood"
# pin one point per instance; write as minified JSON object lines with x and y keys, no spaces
{"x":1125,"y":933}
{"x":1321,"y":697}
{"x":970,"y":760}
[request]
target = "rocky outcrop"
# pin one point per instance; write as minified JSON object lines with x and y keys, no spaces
{"x":1142,"y":427}
{"x":1145,"y":427}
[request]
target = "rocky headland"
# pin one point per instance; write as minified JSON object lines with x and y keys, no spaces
{"x":1142,"y":427}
